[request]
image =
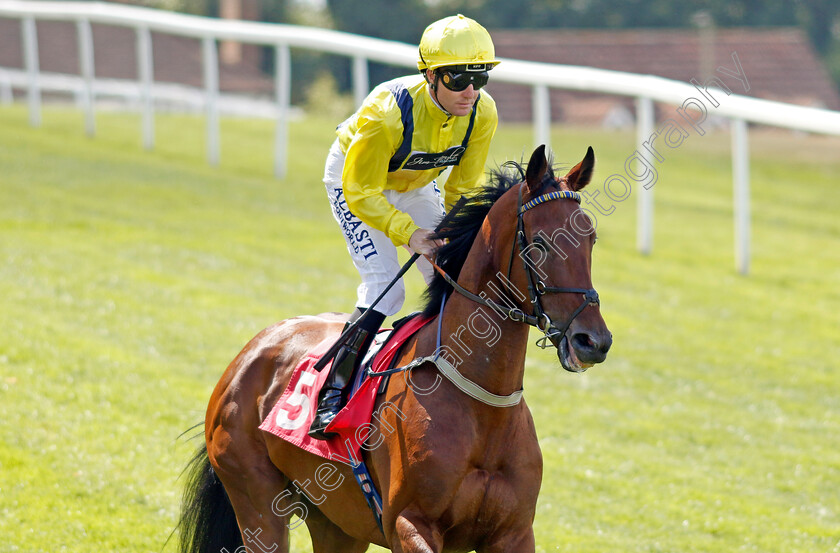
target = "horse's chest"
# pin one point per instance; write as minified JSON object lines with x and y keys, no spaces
{"x":486,"y":502}
{"x":486,"y":489}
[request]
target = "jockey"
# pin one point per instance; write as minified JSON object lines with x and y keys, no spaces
{"x":380,"y":176}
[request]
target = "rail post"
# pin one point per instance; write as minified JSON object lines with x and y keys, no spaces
{"x":644,"y":198}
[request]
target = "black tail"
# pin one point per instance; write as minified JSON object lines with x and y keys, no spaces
{"x":207,"y":522}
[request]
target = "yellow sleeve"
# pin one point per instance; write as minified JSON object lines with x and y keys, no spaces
{"x":377,"y":137}
{"x":470,"y":172}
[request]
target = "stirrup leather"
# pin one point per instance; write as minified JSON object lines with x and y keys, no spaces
{"x":331,"y":397}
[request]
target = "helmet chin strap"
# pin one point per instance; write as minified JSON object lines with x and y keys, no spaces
{"x":433,"y":87}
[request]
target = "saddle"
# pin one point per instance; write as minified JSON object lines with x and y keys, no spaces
{"x":291,"y":416}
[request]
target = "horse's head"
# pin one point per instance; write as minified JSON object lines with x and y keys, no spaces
{"x":550,"y":261}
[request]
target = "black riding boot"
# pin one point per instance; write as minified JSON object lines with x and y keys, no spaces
{"x":332,"y":395}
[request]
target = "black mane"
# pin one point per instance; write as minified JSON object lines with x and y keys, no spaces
{"x":464,"y":227}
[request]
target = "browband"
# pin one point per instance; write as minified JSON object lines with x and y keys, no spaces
{"x":556,"y":195}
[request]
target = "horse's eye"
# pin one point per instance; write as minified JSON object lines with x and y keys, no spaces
{"x":540,"y":244}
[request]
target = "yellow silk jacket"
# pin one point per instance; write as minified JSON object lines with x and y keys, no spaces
{"x":401,"y":140}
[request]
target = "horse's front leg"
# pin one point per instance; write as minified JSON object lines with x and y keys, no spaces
{"x":513,"y":541}
{"x":414,"y":534}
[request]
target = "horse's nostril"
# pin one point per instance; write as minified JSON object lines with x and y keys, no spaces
{"x":583,"y":341}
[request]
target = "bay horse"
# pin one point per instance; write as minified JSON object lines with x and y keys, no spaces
{"x":454,"y":472}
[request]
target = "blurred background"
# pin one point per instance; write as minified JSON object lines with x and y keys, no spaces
{"x":792,"y":48}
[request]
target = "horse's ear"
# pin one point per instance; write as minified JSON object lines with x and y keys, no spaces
{"x":537,"y":167}
{"x":581,"y":174}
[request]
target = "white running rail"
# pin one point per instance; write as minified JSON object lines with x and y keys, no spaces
{"x":690,"y":97}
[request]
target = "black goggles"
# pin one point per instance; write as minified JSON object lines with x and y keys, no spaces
{"x":456,"y":82}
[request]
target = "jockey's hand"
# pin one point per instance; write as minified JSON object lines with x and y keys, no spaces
{"x":421,"y":242}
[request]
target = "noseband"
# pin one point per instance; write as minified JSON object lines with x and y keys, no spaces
{"x":536,"y":287}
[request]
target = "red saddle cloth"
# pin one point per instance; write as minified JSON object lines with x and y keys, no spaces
{"x":293,"y":413}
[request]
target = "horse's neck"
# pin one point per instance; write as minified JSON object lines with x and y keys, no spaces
{"x":491,"y":349}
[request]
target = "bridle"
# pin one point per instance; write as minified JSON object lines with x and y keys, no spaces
{"x":536,"y":287}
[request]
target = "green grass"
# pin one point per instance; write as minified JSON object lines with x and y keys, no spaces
{"x":129,"y":279}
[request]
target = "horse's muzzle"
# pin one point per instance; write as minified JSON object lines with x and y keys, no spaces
{"x":582,"y":351}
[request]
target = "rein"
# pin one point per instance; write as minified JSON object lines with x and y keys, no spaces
{"x":536,"y":287}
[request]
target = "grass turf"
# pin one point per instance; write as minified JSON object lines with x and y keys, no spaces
{"x":129,"y":279}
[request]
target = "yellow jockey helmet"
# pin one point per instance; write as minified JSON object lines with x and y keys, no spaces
{"x":456,"y":40}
